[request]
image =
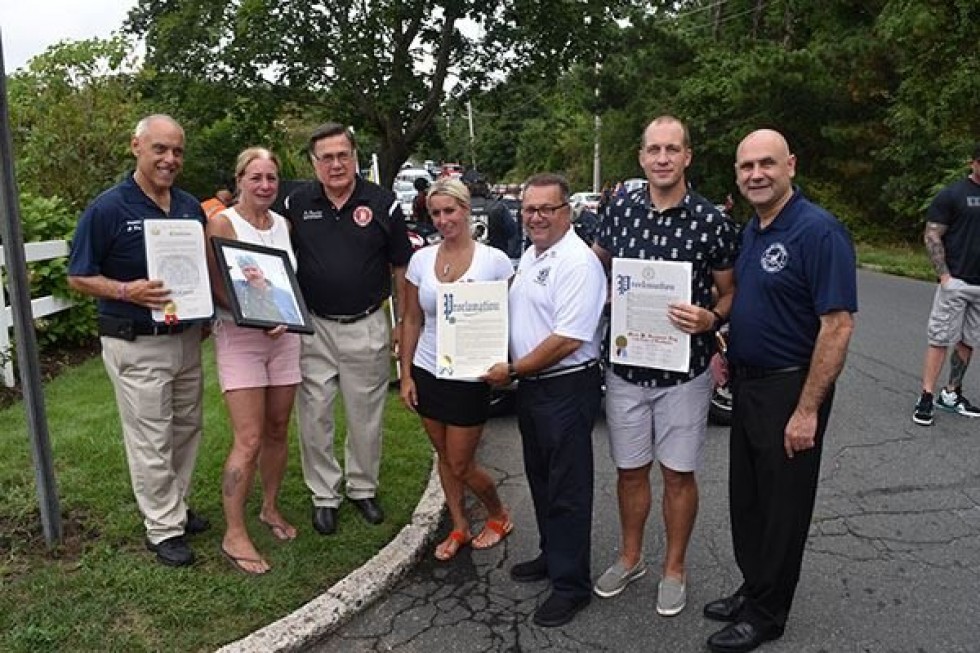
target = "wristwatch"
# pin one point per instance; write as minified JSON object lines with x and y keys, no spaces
{"x":719,"y":320}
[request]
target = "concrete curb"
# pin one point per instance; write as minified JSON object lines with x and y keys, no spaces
{"x":361,"y":588}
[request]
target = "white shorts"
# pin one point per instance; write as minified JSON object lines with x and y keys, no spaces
{"x":669,"y":424}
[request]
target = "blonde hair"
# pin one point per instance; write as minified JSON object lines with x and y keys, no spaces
{"x":453,"y":188}
{"x":251,"y":154}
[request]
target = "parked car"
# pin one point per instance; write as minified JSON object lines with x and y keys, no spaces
{"x":411,"y":174}
{"x":589,"y":201}
{"x":405,"y":192}
{"x":452,"y":170}
{"x":635,"y":183}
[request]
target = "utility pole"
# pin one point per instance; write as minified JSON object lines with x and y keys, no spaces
{"x":596,"y":149}
{"x":469,"y":111}
{"x":20,"y":304}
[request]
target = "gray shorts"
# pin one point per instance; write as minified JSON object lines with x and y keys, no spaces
{"x":955,"y":315}
{"x":669,"y":424}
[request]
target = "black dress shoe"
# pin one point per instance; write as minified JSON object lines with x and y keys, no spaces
{"x":173,"y":551}
{"x":195,"y":523}
{"x":369,"y":509}
{"x":530,"y":571}
{"x":740,"y":637}
{"x":559,"y":610}
{"x":725,"y":609}
{"x":324,"y":520}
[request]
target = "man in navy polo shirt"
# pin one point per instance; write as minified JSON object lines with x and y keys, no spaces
{"x":155,"y":369}
{"x":658,"y":414}
{"x":350,"y":240}
{"x":791,"y":323}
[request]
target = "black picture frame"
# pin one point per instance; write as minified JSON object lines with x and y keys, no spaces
{"x":285,"y":301}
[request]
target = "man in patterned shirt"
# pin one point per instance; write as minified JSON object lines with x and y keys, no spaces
{"x":658,"y":414}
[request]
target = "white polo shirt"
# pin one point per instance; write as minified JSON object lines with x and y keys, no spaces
{"x":560,"y":291}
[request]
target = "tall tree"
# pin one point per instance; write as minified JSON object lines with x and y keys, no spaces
{"x":72,"y":111}
{"x":934,"y":114}
{"x":384,"y":66}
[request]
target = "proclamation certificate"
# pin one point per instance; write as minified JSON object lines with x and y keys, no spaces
{"x":471,"y":328}
{"x":175,"y":255}
{"x":640,"y":333}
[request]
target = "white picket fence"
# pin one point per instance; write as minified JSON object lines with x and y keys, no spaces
{"x":40,"y":251}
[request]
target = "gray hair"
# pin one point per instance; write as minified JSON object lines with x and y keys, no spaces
{"x":143,"y":125}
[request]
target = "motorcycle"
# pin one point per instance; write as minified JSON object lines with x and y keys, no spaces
{"x":720,"y":408}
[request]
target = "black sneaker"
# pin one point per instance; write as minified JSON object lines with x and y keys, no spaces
{"x":955,"y":402}
{"x":558,"y":610}
{"x":923,"y":410}
{"x":195,"y":523}
{"x":173,"y":551}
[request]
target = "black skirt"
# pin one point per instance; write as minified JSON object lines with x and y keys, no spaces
{"x":457,"y":403}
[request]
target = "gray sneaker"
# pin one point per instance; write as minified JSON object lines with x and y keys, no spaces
{"x":617,"y":578}
{"x":671,"y":596}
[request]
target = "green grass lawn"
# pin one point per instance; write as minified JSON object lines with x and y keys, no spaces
{"x":902,"y":260}
{"x":103,"y":591}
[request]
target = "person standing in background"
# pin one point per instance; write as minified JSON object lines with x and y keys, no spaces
{"x":952,"y":240}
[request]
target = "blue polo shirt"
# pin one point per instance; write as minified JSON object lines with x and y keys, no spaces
{"x":800,"y":267}
{"x":109,"y":239}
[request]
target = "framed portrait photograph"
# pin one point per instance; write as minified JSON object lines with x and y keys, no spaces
{"x":261,"y":286}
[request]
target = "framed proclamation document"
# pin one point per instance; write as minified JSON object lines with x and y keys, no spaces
{"x":175,"y":255}
{"x":471,"y":328}
{"x":640,"y":333}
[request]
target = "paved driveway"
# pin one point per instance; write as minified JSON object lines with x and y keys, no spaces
{"x":893,"y":560}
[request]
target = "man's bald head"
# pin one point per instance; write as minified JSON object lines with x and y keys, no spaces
{"x":764,"y":171}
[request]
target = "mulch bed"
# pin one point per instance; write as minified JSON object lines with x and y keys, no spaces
{"x":53,"y":363}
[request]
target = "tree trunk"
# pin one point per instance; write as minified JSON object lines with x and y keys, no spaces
{"x":787,"y":24}
{"x":717,"y":12}
{"x":758,"y":15}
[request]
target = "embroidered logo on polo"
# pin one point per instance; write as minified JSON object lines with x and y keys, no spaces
{"x":775,"y":258}
{"x":363,"y":216}
{"x":309,"y":214}
{"x":973,"y":201}
{"x":542,"y":276}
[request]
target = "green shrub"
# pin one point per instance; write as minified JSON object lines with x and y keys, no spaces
{"x":51,"y":218}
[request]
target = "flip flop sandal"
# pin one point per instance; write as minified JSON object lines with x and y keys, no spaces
{"x":449,"y":547}
{"x":278,"y":531}
{"x":237,"y":563}
{"x":502,"y":527}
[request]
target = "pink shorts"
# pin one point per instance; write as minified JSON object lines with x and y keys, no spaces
{"x":248,"y":358}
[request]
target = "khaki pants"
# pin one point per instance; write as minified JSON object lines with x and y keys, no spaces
{"x":354,"y":358}
{"x":159,"y":383}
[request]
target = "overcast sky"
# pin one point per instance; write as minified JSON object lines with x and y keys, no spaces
{"x":29,"y":27}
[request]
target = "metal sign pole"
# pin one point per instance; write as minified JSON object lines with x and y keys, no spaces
{"x":20,"y":304}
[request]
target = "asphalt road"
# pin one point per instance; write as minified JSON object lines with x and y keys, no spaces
{"x":892,"y":562}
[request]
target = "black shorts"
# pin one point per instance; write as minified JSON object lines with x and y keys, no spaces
{"x":458,"y":403}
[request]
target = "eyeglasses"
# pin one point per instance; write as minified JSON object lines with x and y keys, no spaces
{"x":545,"y":211}
{"x":343,"y":158}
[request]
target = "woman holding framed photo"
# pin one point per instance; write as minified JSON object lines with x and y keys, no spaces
{"x":258,"y":369}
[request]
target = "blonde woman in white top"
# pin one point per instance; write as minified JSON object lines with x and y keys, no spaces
{"x":453,"y":412}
